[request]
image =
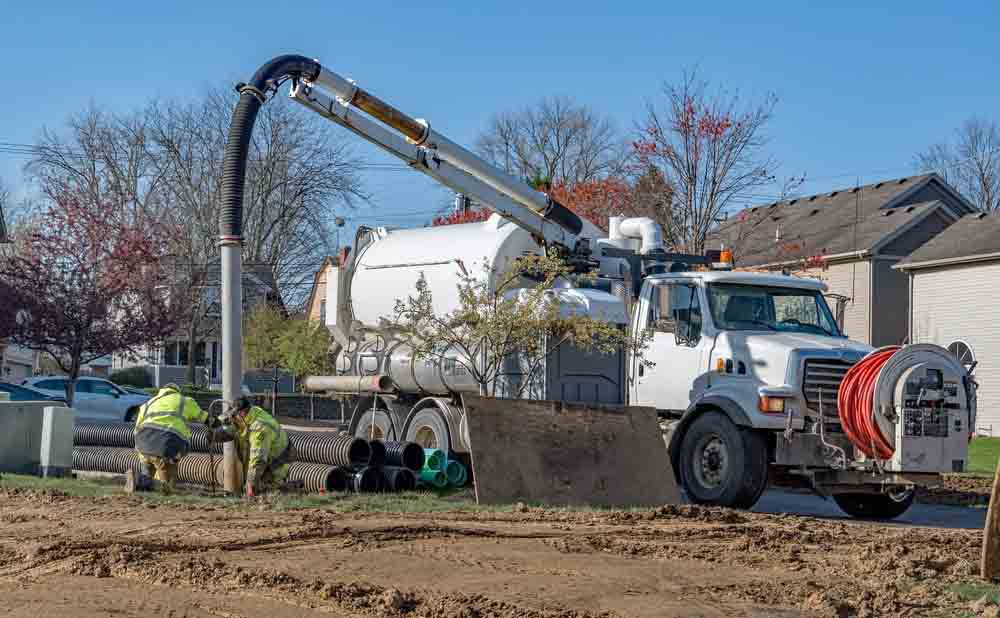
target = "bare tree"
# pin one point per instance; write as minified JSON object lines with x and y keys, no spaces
{"x":4,"y":199}
{"x":166,"y":163}
{"x":971,"y":163}
{"x":556,"y":140}
{"x":101,"y":157}
{"x":298,"y":179}
{"x":709,"y":147}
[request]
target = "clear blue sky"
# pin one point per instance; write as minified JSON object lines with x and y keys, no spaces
{"x":860,"y":87}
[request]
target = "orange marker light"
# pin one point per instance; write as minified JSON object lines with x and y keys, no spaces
{"x":771,"y":405}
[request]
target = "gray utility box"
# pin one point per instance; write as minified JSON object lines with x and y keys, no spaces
{"x":37,"y":438}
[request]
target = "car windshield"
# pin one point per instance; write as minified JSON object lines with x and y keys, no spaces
{"x":756,"y":307}
{"x":21,"y":393}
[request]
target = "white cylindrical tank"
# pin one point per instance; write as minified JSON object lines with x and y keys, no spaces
{"x":388,"y":268}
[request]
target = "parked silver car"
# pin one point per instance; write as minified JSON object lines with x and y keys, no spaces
{"x":95,"y":399}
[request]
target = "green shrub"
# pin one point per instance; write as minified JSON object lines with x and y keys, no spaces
{"x":137,"y":377}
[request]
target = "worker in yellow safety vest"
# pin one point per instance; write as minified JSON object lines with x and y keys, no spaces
{"x":263,"y":447}
{"x":163,"y":436}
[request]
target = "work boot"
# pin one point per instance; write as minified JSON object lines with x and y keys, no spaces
{"x":136,"y":481}
{"x":130,"y":481}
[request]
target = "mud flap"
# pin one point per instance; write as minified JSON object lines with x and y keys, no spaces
{"x":551,"y":452}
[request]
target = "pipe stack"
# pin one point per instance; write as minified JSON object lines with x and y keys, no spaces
{"x":322,"y":461}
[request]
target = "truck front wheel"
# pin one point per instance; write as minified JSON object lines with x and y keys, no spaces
{"x":874,"y":506}
{"x":722,"y":464}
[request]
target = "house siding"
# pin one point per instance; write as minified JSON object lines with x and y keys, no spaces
{"x":890,"y":304}
{"x":853,"y":280}
{"x":915,"y":237}
{"x":319,"y":294}
{"x":958,"y":303}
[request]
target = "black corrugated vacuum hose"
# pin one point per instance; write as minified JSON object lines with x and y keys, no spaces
{"x":252,"y":97}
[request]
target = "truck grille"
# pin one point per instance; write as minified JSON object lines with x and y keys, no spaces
{"x":826,"y":375}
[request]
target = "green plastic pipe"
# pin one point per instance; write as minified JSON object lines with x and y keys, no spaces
{"x":435,"y":478}
{"x":455,"y":472}
{"x":435,"y":459}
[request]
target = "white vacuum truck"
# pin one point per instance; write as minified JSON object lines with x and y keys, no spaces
{"x":752,"y":378}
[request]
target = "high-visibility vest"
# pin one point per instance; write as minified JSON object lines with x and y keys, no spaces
{"x":171,"y":411}
{"x":265,"y":437}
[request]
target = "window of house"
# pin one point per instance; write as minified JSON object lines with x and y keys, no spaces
{"x":170,"y":353}
{"x":322,"y":311}
{"x":676,"y":306}
{"x":963,"y":352}
{"x":200,"y":358}
{"x":182,"y":353}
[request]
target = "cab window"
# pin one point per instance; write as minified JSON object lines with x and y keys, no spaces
{"x":676,"y":309}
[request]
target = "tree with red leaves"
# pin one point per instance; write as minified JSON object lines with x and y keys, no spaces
{"x":596,"y":200}
{"x":82,"y":280}
{"x":709,"y":149}
{"x":471,"y":215}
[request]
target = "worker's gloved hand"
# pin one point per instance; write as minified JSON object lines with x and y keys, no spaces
{"x":213,"y":422}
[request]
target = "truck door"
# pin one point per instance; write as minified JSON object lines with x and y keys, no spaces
{"x":672,"y":310}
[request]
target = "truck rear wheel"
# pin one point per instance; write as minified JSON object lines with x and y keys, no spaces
{"x":874,"y":506}
{"x":722,"y":464}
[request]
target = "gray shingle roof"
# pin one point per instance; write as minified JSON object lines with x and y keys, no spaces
{"x":970,"y":237}
{"x":837,"y":222}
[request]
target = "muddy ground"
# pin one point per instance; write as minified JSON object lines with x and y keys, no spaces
{"x":128,"y":556}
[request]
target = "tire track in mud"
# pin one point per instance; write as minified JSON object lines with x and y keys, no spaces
{"x":207,"y":574}
{"x":827,"y":568}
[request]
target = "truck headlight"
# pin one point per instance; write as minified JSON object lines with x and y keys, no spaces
{"x":771,"y":405}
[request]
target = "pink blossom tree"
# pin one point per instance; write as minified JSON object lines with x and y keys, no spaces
{"x":82,"y":280}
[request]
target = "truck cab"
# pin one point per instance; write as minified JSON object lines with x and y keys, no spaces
{"x":738,"y":363}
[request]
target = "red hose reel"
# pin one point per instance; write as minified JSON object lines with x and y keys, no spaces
{"x":855,"y":403}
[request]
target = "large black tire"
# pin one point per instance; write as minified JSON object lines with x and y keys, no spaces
{"x":874,"y":506}
{"x":722,"y":464}
{"x":375,"y":424}
{"x":428,"y":428}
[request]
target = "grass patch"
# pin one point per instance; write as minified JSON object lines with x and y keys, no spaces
{"x":972,"y":591}
{"x":436,"y":501}
{"x":407,"y":502}
{"x":983,"y":456}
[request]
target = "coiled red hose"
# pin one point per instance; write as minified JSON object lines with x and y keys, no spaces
{"x":855,"y":401}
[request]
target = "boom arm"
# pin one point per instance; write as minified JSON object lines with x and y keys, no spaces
{"x":427,"y":151}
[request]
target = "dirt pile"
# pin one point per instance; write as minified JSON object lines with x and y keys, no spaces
{"x":59,"y":555}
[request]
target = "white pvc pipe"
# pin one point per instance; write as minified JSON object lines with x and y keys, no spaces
{"x":642,"y":228}
{"x":349,"y":384}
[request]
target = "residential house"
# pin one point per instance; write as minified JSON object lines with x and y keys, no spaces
{"x":316,"y":305}
{"x":955,"y":303}
{"x":851,"y":239}
{"x":168,"y":362}
{"x":17,"y":363}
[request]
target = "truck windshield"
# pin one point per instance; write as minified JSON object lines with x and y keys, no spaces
{"x":755,"y":307}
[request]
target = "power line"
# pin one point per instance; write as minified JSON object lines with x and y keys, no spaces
{"x":30,"y":150}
